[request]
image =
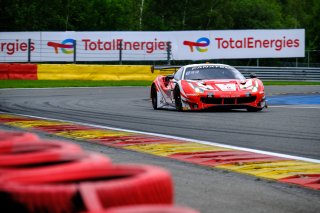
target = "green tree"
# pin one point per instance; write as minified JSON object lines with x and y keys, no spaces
{"x":258,"y":14}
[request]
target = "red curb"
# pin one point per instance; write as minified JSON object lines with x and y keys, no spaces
{"x":120,"y":141}
{"x":215,"y":158}
{"x":306,"y":180}
{"x":5,"y":120}
{"x":61,"y":128}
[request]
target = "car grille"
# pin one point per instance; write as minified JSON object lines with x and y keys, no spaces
{"x":241,"y":100}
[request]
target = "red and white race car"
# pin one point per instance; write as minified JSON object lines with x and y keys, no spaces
{"x":203,"y":86}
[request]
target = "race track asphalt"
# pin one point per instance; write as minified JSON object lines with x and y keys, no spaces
{"x":282,"y":128}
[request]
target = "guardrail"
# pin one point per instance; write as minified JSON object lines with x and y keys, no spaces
{"x":273,"y":73}
{"x":282,"y":73}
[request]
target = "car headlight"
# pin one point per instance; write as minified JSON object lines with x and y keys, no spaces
{"x":255,"y":88}
{"x":198,"y":90}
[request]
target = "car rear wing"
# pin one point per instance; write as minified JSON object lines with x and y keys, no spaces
{"x":165,"y":68}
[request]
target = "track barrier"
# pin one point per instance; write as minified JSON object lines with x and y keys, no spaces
{"x":136,"y":72}
{"x":93,"y":72}
{"x":4,"y":71}
{"x":76,"y":72}
{"x":18,"y":71}
{"x":39,"y":175}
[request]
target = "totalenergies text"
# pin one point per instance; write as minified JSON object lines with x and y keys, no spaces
{"x":11,"y":48}
{"x":117,"y":44}
{"x":251,"y":42}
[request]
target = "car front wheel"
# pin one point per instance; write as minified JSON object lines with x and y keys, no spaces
{"x":154,"y":98}
{"x":177,"y":98}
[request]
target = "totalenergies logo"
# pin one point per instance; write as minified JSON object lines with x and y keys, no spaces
{"x":66,"y":46}
{"x":200,"y":44}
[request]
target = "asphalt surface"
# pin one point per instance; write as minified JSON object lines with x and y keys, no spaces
{"x":287,"y":129}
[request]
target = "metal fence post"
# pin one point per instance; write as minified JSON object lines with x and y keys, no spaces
{"x":74,"y":51}
{"x":29,"y":50}
{"x":168,"y":52}
{"x":120,"y":53}
{"x":308,"y":58}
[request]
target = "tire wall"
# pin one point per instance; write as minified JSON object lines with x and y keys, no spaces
{"x":39,"y":175}
{"x":77,"y":72}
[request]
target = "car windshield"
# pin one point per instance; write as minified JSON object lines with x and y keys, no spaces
{"x":206,"y":72}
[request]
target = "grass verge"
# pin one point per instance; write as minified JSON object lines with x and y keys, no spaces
{"x":77,"y":83}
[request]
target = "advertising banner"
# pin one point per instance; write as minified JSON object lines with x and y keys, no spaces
{"x":141,"y":46}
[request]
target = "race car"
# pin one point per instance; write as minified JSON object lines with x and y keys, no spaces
{"x":204,"y":86}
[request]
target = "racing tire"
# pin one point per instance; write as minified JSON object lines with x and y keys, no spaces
{"x":91,"y":188}
{"x":9,"y":139}
{"x":64,"y":168}
{"x":33,"y":154}
{"x":150,"y":209}
{"x":154,"y":97}
{"x":177,"y":98}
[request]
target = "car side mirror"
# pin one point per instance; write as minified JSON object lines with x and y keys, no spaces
{"x":253,"y":75}
{"x":169,"y":77}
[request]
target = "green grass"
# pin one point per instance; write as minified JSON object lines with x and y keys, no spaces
{"x":76,"y":83}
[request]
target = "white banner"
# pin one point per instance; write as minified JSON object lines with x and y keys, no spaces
{"x":185,"y":45}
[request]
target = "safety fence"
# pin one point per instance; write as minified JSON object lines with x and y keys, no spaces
{"x":119,"y":51}
{"x":30,"y":50}
{"x":137,"y":72}
{"x":38,"y":175}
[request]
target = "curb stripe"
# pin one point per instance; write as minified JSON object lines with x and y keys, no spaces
{"x":310,"y":181}
{"x":275,"y":170}
{"x":166,"y":149}
{"x":224,"y":157}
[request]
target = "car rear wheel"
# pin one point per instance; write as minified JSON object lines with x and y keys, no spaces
{"x":154,"y":98}
{"x":177,"y":98}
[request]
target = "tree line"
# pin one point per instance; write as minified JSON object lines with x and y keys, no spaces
{"x":161,"y":15}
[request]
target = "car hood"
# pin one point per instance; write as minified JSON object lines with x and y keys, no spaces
{"x":224,"y":85}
